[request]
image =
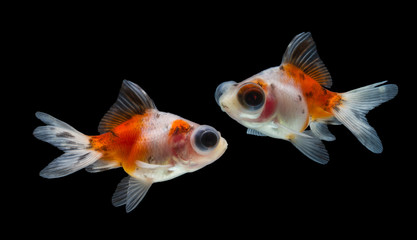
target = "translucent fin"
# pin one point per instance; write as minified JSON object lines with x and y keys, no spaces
{"x":321,"y":131}
{"x":48,"y":119}
{"x":356,"y":104}
{"x":130,"y":192}
{"x":307,"y":143}
{"x":311,"y":146}
{"x":145,"y":165}
{"x":132,"y":100}
{"x":75,"y":145}
{"x":302,"y":53}
{"x":254,"y":132}
{"x":332,"y":121}
{"x":69,"y":162}
{"x":102,"y":165}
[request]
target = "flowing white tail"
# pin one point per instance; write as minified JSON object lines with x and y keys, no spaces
{"x":356,"y":104}
{"x":76,"y":146}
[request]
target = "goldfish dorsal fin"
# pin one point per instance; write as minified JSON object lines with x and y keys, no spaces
{"x":302,"y":53}
{"x":132,"y":100}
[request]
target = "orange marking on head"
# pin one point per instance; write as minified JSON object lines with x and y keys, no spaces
{"x":261,"y":83}
{"x":179,"y":126}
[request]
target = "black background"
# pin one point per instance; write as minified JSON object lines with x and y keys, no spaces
{"x":71,"y":65}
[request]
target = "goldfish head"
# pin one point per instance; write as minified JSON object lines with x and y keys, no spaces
{"x":195,"y":146}
{"x":250,"y":102}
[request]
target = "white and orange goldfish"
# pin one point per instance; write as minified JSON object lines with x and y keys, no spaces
{"x":150,"y":145}
{"x":281,"y":102}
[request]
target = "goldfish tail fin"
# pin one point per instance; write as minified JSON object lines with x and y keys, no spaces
{"x":76,"y":147}
{"x":356,"y":104}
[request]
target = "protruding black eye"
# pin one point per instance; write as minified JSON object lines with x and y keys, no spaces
{"x":251,"y":96}
{"x":208,"y":139}
{"x":204,"y":139}
{"x":254,"y":97}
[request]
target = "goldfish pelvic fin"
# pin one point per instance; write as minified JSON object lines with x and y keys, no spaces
{"x":302,"y":53}
{"x":306,"y":143}
{"x":356,"y":104}
{"x":321,"y":131}
{"x":145,"y":165}
{"x":102,"y":165}
{"x":76,"y":147}
{"x":130,"y":192}
{"x":255,"y":132}
{"x":132,"y":100}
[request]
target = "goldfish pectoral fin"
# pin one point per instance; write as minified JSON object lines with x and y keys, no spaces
{"x":254,"y":132}
{"x":130,"y":192}
{"x":305,"y":142}
{"x":102,"y":165}
{"x":132,"y":100}
{"x":321,"y":131}
{"x":302,"y":53}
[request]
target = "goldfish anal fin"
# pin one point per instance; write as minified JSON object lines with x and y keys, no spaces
{"x":102,"y":165}
{"x":320,"y":130}
{"x":305,"y":142}
{"x":302,"y":53}
{"x":132,"y":100}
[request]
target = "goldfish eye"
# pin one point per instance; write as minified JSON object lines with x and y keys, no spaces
{"x":251,"y":96}
{"x":204,"y":139}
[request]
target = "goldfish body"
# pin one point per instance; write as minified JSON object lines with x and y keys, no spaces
{"x":150,"y":145}
{"x":281,"y":102}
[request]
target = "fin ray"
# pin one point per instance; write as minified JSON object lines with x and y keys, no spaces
{"x":254,"y":132}
{"x":130,"y":192}
{"x":356,"y":104}
{"x":311,"y":146}
{"x":75,"y":145}
{"x":69,"y":163}
{"x":320,"y":130}
{"x":102,"y":165}
{"x":307,"y":143}
{"x":302,"y":53}
{"x":132,"y":100}
{"x":49,"y":120}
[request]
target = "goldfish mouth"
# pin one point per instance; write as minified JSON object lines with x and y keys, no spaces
{"x":222,"y":88}
{"x":224,"y":107}
{"x":222,"y":147}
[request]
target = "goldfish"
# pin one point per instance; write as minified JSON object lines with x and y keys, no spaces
{"x":282,"y":102}
{"x":151,"y":146}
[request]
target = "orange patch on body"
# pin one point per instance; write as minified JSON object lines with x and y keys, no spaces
{"x":123,"y":143}
{"x":320,"y":101}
